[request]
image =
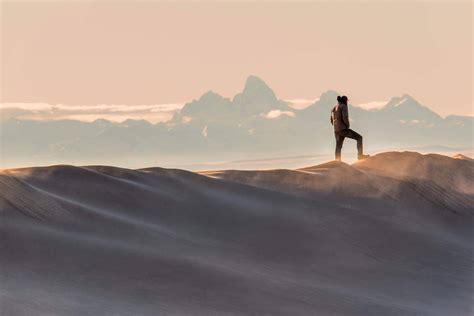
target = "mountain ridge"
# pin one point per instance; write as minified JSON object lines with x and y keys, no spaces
{"x":254,"y":123}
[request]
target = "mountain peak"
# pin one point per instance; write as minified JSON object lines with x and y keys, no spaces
{"x":408,"y":97}
{"x":208,"y":104}
{"x":405,"y":99}
{"x":257,"y":88}
{"x":210,"y":96}
{"x":329,"y":96}
{"x":325,"y":102}
{"x":253,"y":80}
{"x":407,"y":107}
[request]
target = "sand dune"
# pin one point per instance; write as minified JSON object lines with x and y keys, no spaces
{"x":391,"y":235}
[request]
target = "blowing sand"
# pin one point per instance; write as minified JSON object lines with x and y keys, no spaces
{"x":392,"y":235}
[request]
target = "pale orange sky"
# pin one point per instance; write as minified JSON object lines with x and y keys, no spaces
{"x":163,"y":52}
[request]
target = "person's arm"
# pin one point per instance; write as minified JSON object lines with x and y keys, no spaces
{"x":332,"y":117}
{"x":345,"y":115}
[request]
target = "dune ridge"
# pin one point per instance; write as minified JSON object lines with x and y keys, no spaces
{"x":390,"y":235}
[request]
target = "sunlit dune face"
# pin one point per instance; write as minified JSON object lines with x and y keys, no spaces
{"x":17,"y":172}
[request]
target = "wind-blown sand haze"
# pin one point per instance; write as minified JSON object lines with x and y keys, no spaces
{"x":390,"y":235}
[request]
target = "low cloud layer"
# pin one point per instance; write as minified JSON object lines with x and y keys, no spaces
{"x":374,"y":105}
{"x":273,"y":114}
{"x":300,"y":104}
{"x":153,"y":113}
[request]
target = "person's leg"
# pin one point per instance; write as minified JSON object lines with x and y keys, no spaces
{"x":354,"y":135}
{"x":339,"y":142}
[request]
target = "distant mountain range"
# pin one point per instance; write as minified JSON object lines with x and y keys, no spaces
{"x":254,"y":124}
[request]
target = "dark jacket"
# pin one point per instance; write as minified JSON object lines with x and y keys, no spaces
{"x":340,"y":117}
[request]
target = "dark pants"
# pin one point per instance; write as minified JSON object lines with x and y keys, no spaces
{"x":341,"y":135}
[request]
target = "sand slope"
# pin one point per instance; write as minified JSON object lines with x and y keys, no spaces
{"x":392,"y":235}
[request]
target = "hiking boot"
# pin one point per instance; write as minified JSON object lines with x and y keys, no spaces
{"x":362,"y":157}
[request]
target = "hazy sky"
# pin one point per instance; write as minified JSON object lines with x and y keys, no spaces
{"x":165,"y":53}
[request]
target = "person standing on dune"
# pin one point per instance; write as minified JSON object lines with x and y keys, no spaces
{"x":340,"y":121}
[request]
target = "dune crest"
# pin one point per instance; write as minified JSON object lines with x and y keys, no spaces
{"x":390,"y":235}
{"x":462,"y":157}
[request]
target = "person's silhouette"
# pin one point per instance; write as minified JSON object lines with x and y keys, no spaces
{"x":340,"y":121}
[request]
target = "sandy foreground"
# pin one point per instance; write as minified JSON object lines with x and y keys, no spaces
{"x":391,"y":235}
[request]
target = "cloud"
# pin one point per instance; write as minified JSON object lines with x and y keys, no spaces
{"x":374,"y":105}
{"x":273,"y":114}
{"x":411,"y":122}
{"x":113,"y":112}
{"x":299,"y":104}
